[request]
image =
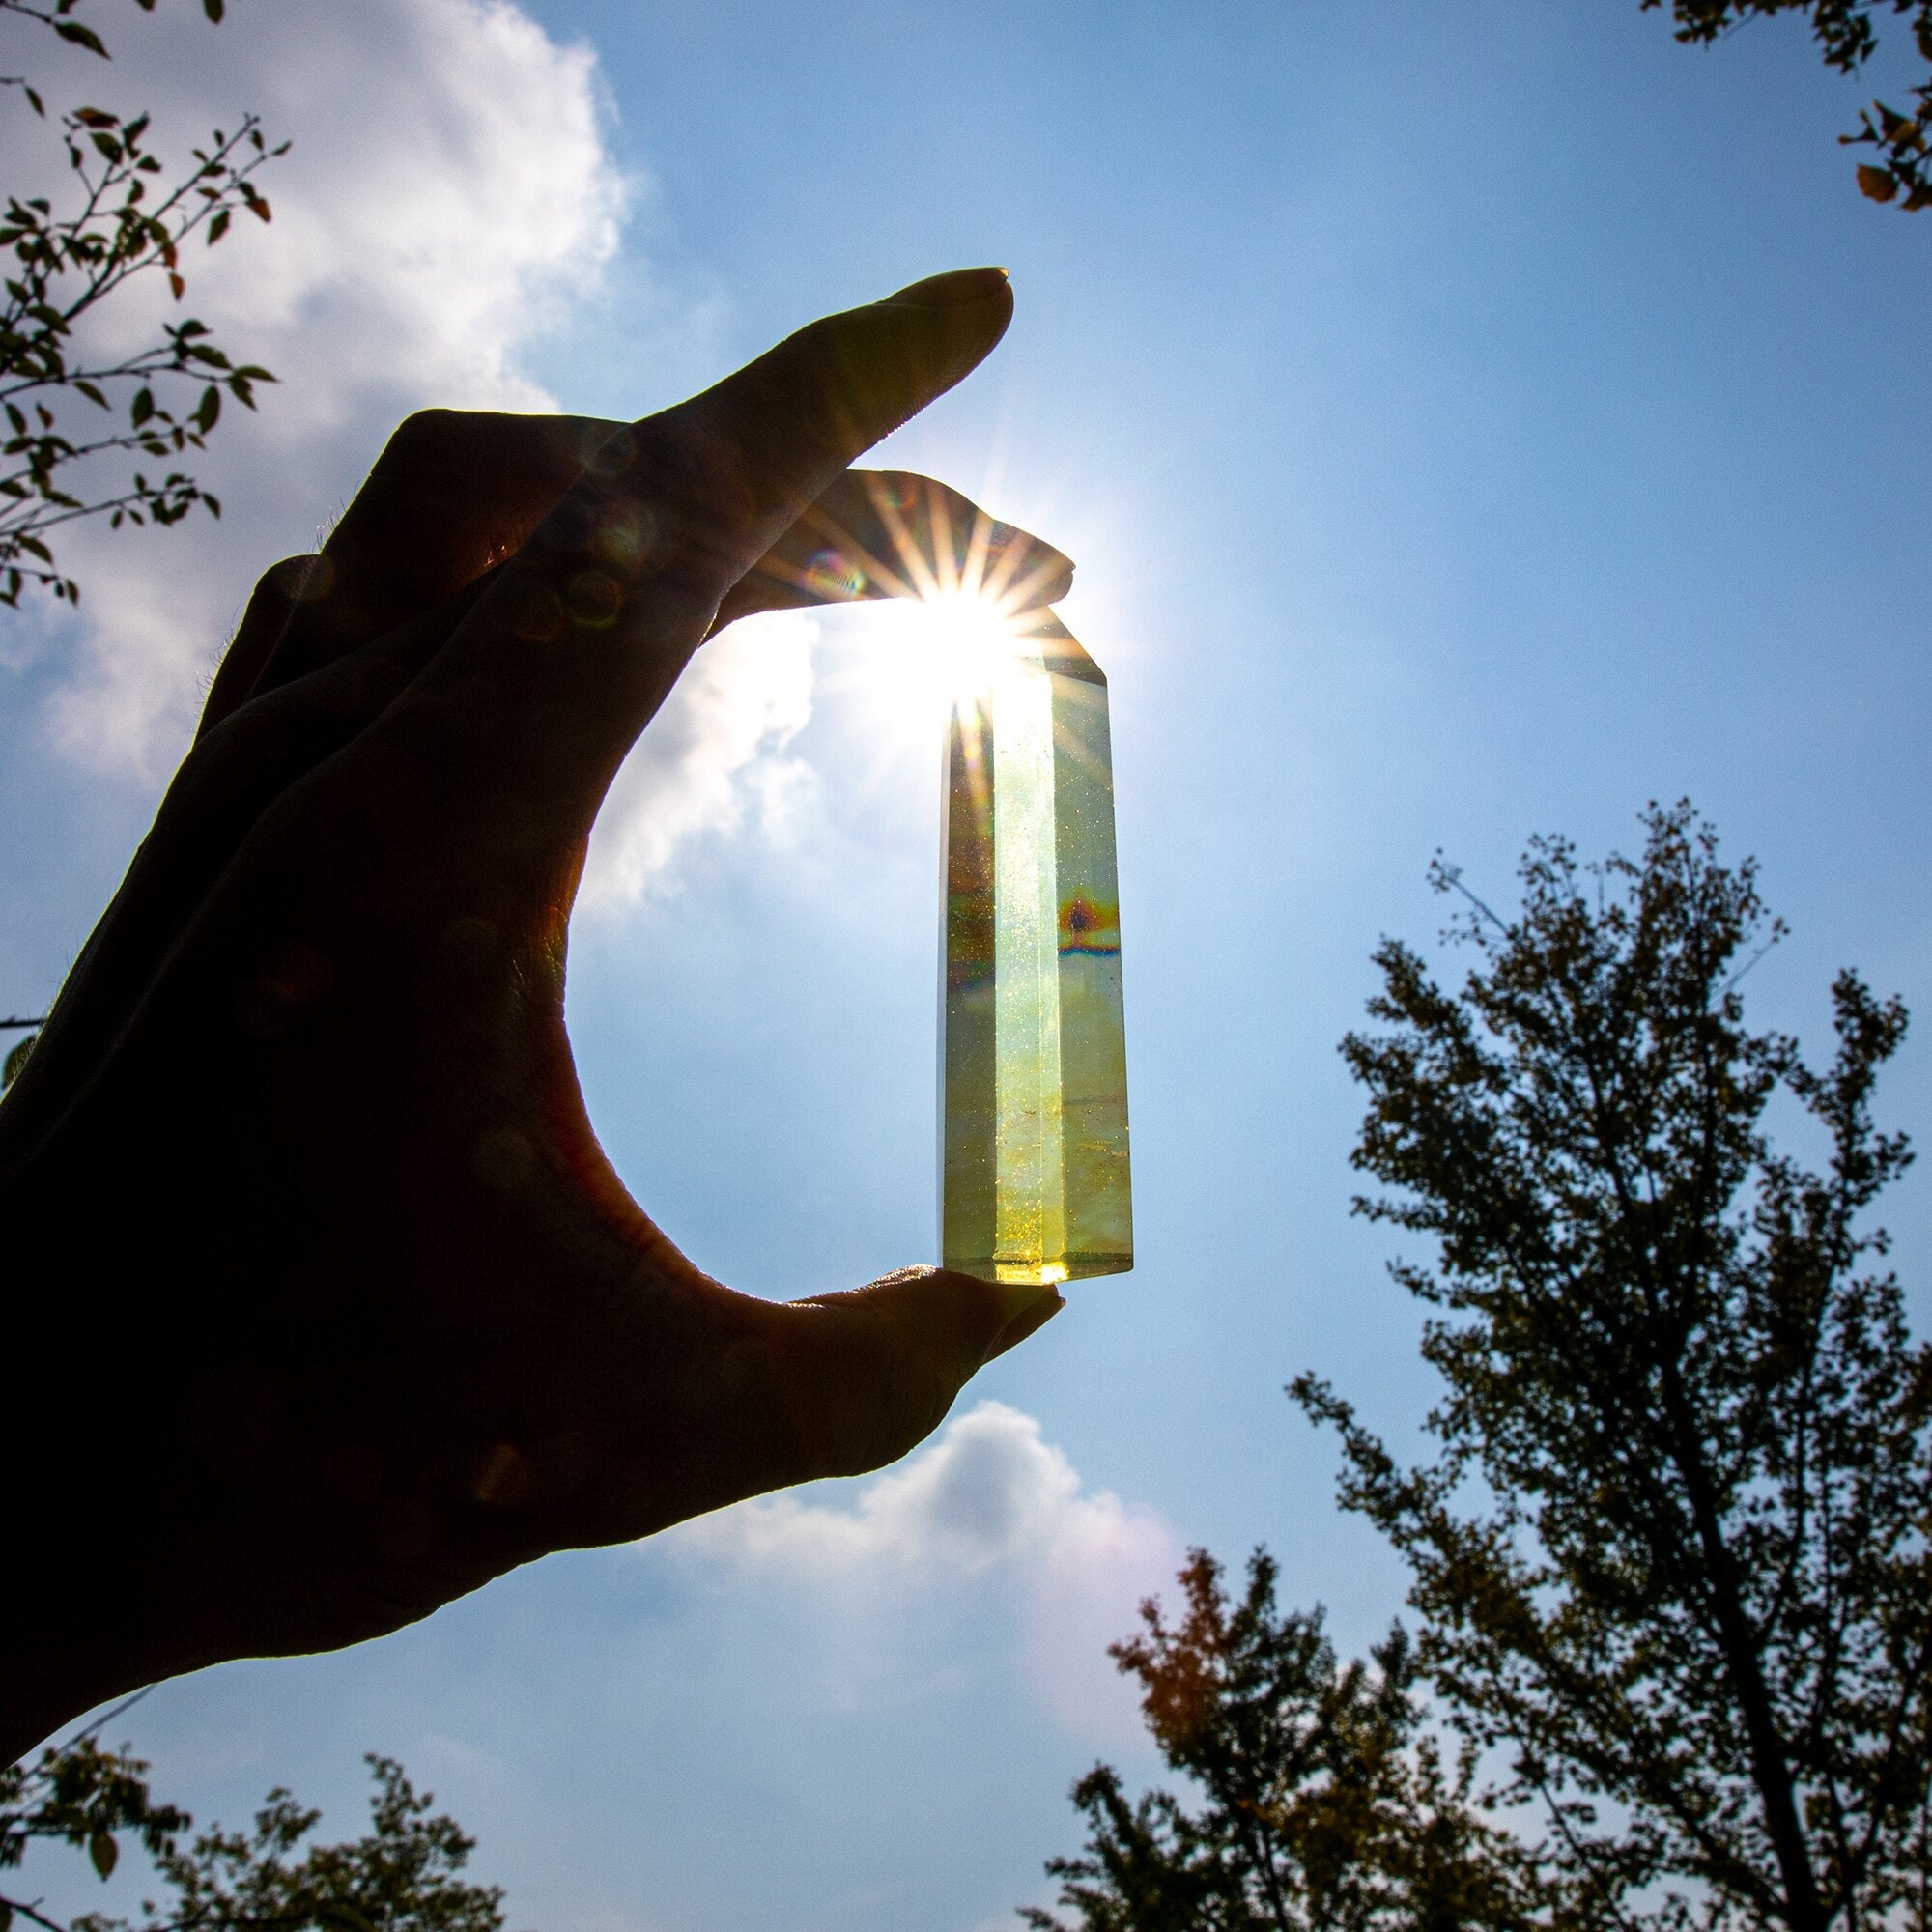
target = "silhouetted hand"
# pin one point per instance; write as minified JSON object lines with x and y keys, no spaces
{"x":323,"y":1304}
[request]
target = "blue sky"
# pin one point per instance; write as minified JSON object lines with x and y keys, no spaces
{"x":1467,"y":422}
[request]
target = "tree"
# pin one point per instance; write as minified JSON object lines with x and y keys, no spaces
{"x":1671,"y":1556}
{"x":1326,"y":1801}
{"x":402,"y":1877}
{"x":1846,"y":39}
{"x":128,"y":219}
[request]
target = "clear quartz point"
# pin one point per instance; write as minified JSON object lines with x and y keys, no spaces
{"x":1034,"y":1171}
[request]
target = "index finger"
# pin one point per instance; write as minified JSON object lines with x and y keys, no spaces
{"x":587,"y":625}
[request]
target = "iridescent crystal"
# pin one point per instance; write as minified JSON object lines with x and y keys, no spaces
{"x":1032,"y":1109}
{"x":1033,"y":1167}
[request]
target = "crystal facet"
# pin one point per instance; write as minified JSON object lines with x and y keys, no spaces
{"x":1034,"y":1168}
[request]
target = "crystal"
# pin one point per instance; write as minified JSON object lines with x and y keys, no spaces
{"x":1035,"y":1180}
{"x":1033,"y":1110}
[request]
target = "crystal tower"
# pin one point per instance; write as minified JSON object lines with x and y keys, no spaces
{"x":1033,"y":1166}
{"x":1032,"y":1070}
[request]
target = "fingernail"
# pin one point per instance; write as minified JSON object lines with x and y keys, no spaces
{"x":960,"y":288}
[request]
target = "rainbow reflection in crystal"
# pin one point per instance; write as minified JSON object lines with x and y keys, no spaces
{"x":1035,"y":1183}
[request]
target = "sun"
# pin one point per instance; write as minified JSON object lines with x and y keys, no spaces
{"x":962,"y":640}
{"x":914,"y":661}
{"x":945,"y":605}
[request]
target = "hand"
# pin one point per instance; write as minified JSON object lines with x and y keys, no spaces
{"x":322,"y":1303}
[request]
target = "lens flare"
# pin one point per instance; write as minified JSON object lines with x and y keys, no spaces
{"x":966,"y":640}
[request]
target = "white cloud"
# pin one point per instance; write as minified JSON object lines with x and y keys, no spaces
{"x":714,"y":756}
{"x":988,"y":1490}
{"x":987,"y":1500}
{"x":448,"y":192}
{"x":449,"y":202}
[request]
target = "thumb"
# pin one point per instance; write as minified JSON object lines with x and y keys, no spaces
{"x":860,"y":1377}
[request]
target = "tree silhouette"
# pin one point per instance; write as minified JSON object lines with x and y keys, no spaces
{"x":1902,"y":170}
{"x":128,"y":219}
{"x":401,"y":1876}
{"x":1672,"y":1555}
{"x":1326,"y":1801}
{"x":76,"y":415}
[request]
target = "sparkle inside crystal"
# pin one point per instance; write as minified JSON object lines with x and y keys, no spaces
{"x":1033,"y":1170}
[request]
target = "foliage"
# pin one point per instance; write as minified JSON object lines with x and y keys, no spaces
{"x":127,"y":218}
{"x":1846,"y":39}
{"x":1672,"y":1555}
{"x":1325,"y":1801}
{"x":59,"y":15}
{"x":402,"y":1877}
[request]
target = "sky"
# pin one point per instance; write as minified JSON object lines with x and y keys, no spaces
{"x":1468,"y":423}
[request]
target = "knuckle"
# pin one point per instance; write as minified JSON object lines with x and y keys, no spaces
{"x":423,"y":429}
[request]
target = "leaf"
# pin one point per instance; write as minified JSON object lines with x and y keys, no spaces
{"x":39,"y":106}
{"x":179,"y":286}
{"x":218,"y":227}
{"x":81,"y":37}
{"x":142,"y":408}
{"x":15,"y":1060}
{"x":207,"y":410}
{"x":1877,"y":184}
{"x":103,"y":1852}
{"x":213,"y":9}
